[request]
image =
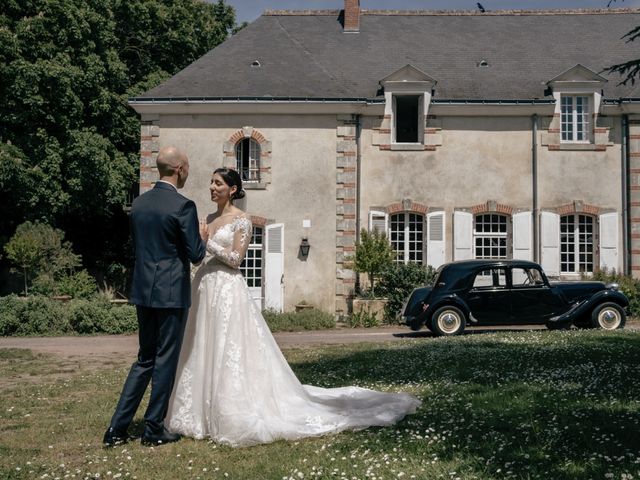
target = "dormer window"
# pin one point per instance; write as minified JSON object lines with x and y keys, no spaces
{"x":574,"y":118}
{"x":577,"y":93}
{"x":407,"y":94}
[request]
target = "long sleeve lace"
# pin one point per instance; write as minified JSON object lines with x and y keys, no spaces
{"x":234,"y":254}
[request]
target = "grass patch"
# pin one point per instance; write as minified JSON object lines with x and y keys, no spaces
{"x":308,"y":319}
{"x":520,"y":405}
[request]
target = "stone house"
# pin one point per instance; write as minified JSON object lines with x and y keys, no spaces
{"x":460,"y":134}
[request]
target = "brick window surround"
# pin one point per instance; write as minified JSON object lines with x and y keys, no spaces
{"x":230,"y":160}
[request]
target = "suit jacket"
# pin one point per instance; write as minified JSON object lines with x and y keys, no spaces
{"x":166,"y":239}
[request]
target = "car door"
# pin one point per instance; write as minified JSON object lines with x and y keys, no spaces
{"x":532,"y":300}
{"x":488,"y":297}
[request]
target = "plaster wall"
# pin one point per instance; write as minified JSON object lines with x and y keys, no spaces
{"x":303,"y":186}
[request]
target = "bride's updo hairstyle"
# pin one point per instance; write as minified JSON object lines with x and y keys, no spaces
{"x":231,"y":178}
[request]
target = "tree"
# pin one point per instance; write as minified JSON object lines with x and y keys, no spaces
{"x":68,"y":140}
{"x":40,"y":250}
{"x":373,"y":255}
{"x":630,"y":69}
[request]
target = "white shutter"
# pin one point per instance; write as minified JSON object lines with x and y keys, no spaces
{"x":550,"y":243}
{"x":462,"y":235}
{"x":274,"y":268}
{"x":378,"y":220}
{"x":609,"y":241}
{"x":522,"y":236}
{"x":435,"y":239}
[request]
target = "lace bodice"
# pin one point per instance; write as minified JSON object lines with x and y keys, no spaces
{"x":230,"y":241}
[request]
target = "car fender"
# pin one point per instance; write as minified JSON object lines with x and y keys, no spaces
{"x":588,"y":305}
{"x":453,"y":300}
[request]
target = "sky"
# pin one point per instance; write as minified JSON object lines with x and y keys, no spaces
{"x":249,"y":10}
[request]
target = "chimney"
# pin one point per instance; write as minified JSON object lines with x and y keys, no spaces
{"x":351,"y":16}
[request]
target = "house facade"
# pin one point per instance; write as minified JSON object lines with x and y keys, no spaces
{"x":459,"y":134}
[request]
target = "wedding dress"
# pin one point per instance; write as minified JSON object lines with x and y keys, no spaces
{"x":233,"y":383}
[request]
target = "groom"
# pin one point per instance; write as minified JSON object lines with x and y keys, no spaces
{"x":166,"y":237}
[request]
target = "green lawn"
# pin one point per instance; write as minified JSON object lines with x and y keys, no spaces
{"x":525,"y":405}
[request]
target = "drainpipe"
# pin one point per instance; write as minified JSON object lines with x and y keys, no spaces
{"x":357,"y":120}
{"x":534,"y":187}
{"x":626,"y":227}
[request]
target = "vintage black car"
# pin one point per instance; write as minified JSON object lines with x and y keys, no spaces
{"x":509,"y":292}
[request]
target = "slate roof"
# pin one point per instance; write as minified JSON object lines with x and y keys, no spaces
{"x":306,"y":54}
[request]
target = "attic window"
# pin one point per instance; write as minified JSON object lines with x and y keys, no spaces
{"x":255,"y":63}
{"x":483,"y":63}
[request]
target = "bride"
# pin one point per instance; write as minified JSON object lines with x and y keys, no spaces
{"x":233,"y":384}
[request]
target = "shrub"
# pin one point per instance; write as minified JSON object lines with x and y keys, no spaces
{"x":9,"y":316}
{"x":363,"y":318}
{"x":100,"y":316}
{"x":397,"y":282}
{"x":307,"y":319}
{"x":77,"y":285}
{"x":627,"y":285}
{"x":40,"y":315}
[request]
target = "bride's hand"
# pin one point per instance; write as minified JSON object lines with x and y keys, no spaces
{"x":204,"y":231}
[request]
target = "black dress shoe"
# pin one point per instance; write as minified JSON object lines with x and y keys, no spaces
{"x":113,"y":437}
{"x":151,"y":438}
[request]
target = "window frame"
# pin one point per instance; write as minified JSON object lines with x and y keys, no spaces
{"x":420,"y":98}
{"x":576,"y":235}
{"x":404,"y":255}
{"x":575,"y":119}
{"x":491,"y":234}
{"x":254,"y":246}
{"x":253,"y":164}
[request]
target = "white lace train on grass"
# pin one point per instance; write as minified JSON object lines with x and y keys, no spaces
{"x":233,"y":383}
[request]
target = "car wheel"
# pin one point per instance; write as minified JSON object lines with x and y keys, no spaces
{"x":448,"y":321}
{"x":608,"y":316}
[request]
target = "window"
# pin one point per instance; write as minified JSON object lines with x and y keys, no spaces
{"x":574,"y":120}
{"x":576,"y":243}
{"x":490,"y":278}
{"x":490,"y":236}
{"x":251,"y":267}
{"x":526,"y":277}
{"x":407,"y":112}
{"x":406,"y":235}
{"x":248,"y":160}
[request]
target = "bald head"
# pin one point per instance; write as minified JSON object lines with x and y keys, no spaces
{"x":173,"y":165}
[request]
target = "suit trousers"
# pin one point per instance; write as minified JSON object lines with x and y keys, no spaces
{"x":160,"y":337}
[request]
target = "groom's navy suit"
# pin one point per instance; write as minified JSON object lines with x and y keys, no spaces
{"x":166,"y":238}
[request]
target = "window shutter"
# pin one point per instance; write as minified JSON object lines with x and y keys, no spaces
{"x":550,"y":239}
{"x":378,"y":220}
{"x":609,"y":241}
{"x":435,"y":239}
{"x":274,"y":268}
{"x":462,"y":235}
{"x":522,"y":236}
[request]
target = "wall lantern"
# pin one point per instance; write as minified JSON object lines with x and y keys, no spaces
{"x":304,"y":247}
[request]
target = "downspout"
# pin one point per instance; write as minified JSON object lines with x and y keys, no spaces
{"x":534,"y":187}
{"x":357,"y":119}
{"x":626,"y":227}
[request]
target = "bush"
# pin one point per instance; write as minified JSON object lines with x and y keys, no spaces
{"x":308,"y":319}
{"x":363,"y":318}
{"x":77,"y":285}
{"x":40,"y":315}
{"x":627,"y":285}
{"x":32,"y":316}
{"x":397,"y":282}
